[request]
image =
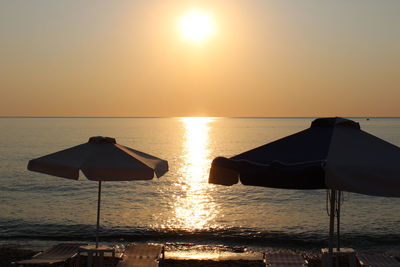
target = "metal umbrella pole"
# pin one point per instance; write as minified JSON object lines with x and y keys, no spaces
{"x":332,"y":200}
{"x":98,"y":215}
{"x":338,"y":204}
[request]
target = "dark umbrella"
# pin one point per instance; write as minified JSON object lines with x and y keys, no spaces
{"x":100,"y":159}
{"x":334,"y":153}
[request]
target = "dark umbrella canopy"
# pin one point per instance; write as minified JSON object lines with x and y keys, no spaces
{"x":100,"y":159}
{"x":279,"y":164}
{"x":304,"y":175}
{"x":311,"y":144}
{"x":333,"y":153}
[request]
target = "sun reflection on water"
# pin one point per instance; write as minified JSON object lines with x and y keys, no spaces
{"x":194,"y":206}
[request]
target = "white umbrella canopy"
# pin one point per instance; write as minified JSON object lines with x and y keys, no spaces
{"x":100,"y":159}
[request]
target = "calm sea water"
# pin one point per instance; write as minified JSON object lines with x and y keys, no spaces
{"x":180,"y":208}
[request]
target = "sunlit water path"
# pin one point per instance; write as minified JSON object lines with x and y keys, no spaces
{"x":180,"y":208}
{"x":194,"y":207}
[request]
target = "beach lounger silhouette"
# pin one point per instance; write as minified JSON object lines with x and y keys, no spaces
{"x":283,"y":259}
{"x":59,"y":253}
{"x":377,"y":260}
{"x":142,"y":255}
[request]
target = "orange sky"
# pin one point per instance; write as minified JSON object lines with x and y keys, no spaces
{"x":266,"y":58}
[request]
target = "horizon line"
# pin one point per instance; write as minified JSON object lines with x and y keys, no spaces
{"x":161,"y":117}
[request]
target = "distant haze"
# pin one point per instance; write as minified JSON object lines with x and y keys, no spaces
{"x":266,"y":58}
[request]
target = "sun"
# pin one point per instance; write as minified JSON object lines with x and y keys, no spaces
{"x":197,"y":26}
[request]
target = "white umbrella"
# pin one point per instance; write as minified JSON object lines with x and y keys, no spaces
{"x":100,"y":159}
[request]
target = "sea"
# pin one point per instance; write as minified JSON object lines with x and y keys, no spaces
{"x":180,"y":209}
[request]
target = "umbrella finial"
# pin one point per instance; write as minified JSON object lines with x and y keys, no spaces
{"x":102,"y":140}
{"x":335,"y":121}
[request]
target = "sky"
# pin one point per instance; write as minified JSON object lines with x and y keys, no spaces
{"x":264,"y":58}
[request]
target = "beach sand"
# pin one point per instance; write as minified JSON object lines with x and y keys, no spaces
{"x":10,"y":254}
{"x":224,"y":263}
{"x":211,"y":263}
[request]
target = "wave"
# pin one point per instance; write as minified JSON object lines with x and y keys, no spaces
{"x":231,"y":237}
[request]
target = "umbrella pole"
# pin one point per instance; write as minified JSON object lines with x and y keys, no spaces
{"x":331,"y":226}
{"x":338,"y":219}
{"x":98,"y":215}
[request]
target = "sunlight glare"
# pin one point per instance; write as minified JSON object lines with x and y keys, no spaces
{"x":197,"y":26}
{"x":195,"y":208}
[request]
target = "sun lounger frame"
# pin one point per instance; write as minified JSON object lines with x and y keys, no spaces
{"x":142,"y":255}
{"x":56,"y":254}
{"x":283,"y":259}
{"x":377,"y":260}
